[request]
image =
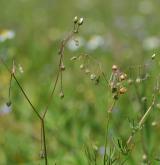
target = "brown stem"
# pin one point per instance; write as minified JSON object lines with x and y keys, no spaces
{"x":44,"y":142}
{"x":61,"y":52}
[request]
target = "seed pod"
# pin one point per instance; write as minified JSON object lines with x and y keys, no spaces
{"x":80,"y":22}
{"x":130,"y":81}
{"x":93,"y":76}
{"x":61,"y":95}
{"x":143,"y":99}
{"x":114,"y":67}
{"x":144,"y":158}
{"x":122,"y":77}
{"x":138,"y":80}
{"x":122,"y":90}
{"x":81,"y":66}
{"x":75,"y":19}
{"x":87,"y":71}
{"x":97,"y":80}
{"x":42,"y":154}
{"x":62,"y":67}
{"x":153,"y":56}
{"x":73,"y":58}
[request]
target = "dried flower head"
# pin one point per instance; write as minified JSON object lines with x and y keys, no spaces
{"x":122,"y":90}
{"x":114,"y":67}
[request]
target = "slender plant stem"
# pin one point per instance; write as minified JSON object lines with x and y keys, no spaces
{"x":142,"y":120}
{"x":25,"y":95}
{"x":44,"y":142}
{"x":61,"y":52}
{"x":107,"y":129}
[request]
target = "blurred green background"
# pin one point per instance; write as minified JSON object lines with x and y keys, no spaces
{"x":114,"y":32}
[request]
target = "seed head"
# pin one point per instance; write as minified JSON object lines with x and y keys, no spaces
{"x":62,"y":67}
{"x":87,"y":71}
{"x":153,"y":56}
{"x":122,"y":90}
{"x":138,"y":80}
{"x":81,"y":66}
{"x":122,"y":77}
{"x":130,"y":81}
{"x":75,"y":19}
{"x":92,"y":76}
{"x":114,"y":67}
{"x":73,"y":58}
{"x":61,"y":95}
{"x":80,"y":22}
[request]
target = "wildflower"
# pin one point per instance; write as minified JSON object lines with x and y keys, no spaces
{"x":6,"y":34}
{"x":5,"y":109}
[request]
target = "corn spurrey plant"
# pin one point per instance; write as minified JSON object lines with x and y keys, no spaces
{"x":77,"y":22}
{"x":118,"y":83}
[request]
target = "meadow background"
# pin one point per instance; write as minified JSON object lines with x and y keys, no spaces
{"x":121,"y":32}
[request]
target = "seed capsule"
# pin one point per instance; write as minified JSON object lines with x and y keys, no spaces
{"x":92,"y":76}
{"x":87,"y":71}
{"x":80,"y":22}
{"x":75,"y":19}
{"x":62,"y":67}
{"x":122,"y":77}
{"x":138,"y":80}
{"x":81,"y":66}
{"x":153,"y":56}
{"x":122,"y":90}
{"x":114,"y":67}
{"x":61,"y":95}
{"x":130,"y":81}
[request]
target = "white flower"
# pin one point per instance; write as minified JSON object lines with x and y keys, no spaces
{"x":6,"y":34}
{"x":74,"y":45}
{"x":5,"y":109}
{"x":151,"y":43}
{"x":95,"y":42}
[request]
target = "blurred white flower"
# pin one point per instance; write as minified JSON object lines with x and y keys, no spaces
{"x":146,"y":7}
{"x":6,"y":34}
{"x":150,"y":43}
{"x":5,"y":109}
{"x":74,"y":45}
{"x":95,"y":42}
